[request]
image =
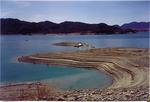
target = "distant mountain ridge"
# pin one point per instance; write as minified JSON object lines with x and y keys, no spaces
{"x":16,"y":26}
{"x":138,"y":26}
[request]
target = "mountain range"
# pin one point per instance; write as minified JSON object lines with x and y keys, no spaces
{"x":138,"y":26}
{"x":15,"y":26}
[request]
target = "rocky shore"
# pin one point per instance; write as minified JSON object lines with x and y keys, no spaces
{"x":129,"y":68}
{"x":39,"y":91}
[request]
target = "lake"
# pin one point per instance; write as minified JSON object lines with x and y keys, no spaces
{"x":13,"y":46}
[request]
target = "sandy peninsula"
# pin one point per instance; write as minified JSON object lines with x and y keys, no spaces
{"x":129,"y":68}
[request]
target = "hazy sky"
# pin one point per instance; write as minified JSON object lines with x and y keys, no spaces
{"x":111,"y":12}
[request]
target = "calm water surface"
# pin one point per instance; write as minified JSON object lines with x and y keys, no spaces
{"x":59,"y":76}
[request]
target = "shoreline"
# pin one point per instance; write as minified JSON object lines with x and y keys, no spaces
{"x":123,"y":77}
{"x":59,"y":84}
{"x":129,"y":68}
{"x":74,"y":34}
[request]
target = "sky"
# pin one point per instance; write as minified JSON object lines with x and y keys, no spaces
{"x":110,"y":12}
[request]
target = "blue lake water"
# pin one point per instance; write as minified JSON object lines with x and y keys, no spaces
{"x":13,"y":46}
